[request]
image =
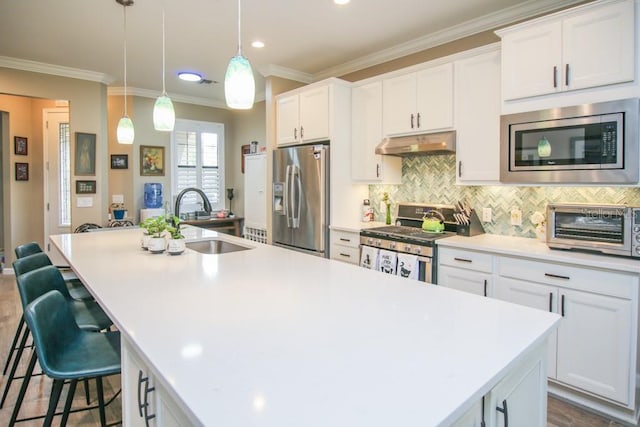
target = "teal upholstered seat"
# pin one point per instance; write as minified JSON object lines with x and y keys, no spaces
{"x":27,"y":249}
{"x":67,"y":353}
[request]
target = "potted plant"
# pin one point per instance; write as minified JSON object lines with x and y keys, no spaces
{"x":155,"y":241}
{"x":176,"y":243}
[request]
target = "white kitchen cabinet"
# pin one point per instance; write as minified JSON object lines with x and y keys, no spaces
{"x":596,"y":338}
{"x":303,"y":116}
{"x":587,"y":46}
{"x":366,"y":133}
{"x":520,"y":399}
{"x":418,"y":102}
{"x":467,"y":271}
{"x":144,"y":401}
{"x":345,"y":246}
{"x":477,"y":117}
{"x":255,"y":195}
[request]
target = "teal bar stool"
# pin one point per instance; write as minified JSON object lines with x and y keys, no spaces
{"x":67,"y":353}
{"x":75,"y":286}
{"x":33,"y":283}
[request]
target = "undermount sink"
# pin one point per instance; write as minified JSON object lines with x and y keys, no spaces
{"x":215,"y":246}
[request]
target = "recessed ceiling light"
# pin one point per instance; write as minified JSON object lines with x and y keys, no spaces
{"x":257,"y":44}
{"x":189,"y":76}
{"x":341,"y":1}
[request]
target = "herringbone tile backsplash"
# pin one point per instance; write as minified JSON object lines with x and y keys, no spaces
{"x":431,"y":179}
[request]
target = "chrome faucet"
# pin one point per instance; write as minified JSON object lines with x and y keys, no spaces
{"x":205,"y":200}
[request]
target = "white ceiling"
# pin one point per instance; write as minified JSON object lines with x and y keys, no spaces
{"x":305,"y":39}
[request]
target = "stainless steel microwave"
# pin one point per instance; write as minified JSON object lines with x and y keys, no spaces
{"x":609,"y":229}
{"x":584,"y":144}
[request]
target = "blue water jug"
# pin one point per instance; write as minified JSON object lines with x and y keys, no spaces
{"x":152,"y":195}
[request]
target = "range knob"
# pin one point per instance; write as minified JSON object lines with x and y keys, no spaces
{"x":370,"y":240}
{"x":418,"y":251}
{"x":378,"y":242}
{"x":407,"y":248}
{"x":638,"y":237}
{"x":636,"y":229}
{"x":638,"y":250}
{"x":392,"y":245}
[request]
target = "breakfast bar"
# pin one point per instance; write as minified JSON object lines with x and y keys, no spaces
{"x":266,"y":336}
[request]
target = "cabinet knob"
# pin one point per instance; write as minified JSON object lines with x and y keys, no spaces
{"x":301,"y":132}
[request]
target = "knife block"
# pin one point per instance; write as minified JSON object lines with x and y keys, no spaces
{"x":473,"y":228}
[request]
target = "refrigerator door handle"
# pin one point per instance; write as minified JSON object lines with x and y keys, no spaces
{"x":296,"y":178}
{"x":285,"y":196}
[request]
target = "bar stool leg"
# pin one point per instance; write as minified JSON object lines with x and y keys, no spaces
{"x":23,"y":390}
{"x":56,"y":389}
{"x":16,"y":361}
{"x":67,"y":405}
{"x":16,"y":337}
{"x":103,"y":417}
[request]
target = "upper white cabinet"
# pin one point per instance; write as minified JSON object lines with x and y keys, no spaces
{"x":584,"y":47}
{"x":477,"y":117}
{"x":366,"y":133}
{"x":418,"y":102}
{"x":303,"y":116}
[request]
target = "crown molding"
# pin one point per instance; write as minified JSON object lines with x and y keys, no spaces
{"x":147,"y":93}
{"x":56,"y":70}
{"x":468,"y":28}
{"x":286,"y":73}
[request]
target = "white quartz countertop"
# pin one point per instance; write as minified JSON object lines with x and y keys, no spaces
{"x":272,"y":337}
{"x":536,"y":249}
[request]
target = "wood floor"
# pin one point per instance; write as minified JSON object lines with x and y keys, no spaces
{"x":560,"y":414}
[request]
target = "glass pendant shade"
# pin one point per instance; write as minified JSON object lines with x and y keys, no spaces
{"x":164,"y":116}
{"x":239,"y":84}
{"x":125,"y":131}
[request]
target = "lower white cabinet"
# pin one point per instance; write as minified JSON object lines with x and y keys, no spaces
{"x":345,"y":246}
{"x":144,"y":402}
{"x":595,"y":343}
{"x":467,"y":271}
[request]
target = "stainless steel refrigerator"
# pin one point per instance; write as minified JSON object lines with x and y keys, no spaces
{"x":301,"y":198}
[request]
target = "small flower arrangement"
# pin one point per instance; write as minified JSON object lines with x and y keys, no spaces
{"x":540,"y":222}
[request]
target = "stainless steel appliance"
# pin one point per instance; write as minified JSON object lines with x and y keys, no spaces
{"x":301,"y":198}
{"x":407,"y":236}
{"x":591,"y":143}
{"x":609,"y":229}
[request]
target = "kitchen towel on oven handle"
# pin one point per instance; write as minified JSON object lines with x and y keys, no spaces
{"x":408,"y":266}
{"x":369,"y":257}
{"x":388,"y":261}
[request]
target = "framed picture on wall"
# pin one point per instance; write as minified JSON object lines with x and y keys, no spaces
{"x":119,"y":161}
{"x":22,"y":171}
{"x":85,"y":187}
{"x":151,"y":160}
{"x":20,"y":145}
{"x":85,"y":153}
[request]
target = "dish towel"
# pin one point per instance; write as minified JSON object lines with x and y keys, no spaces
{"x":408,"y":266}
{"x":388,"y":260}
{"x":369,"y":257}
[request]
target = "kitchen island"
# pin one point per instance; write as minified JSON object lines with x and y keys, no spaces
{"x":272,"y":337}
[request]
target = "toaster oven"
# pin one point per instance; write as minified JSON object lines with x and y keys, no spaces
{"x":604,"y":228}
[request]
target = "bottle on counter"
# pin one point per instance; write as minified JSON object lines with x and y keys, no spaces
{"x":367,"y":211}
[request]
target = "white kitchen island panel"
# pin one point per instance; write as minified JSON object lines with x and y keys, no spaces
{"x":272,"y":337}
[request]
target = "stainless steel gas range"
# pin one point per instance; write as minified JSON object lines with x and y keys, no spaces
{"x":408,"y":237}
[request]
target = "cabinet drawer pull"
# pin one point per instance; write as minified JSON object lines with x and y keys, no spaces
{"x":566,"y":75}
{"x":505,"y":412}
{"x":555,"y":76}
{"x":345,"y":255}
{"x":295,"y":133}
{"x":411,"y":120}
{"x":140,"y":380}
{"x":557,"y":276}
{"x":418,"y":120}
{"x":377,"y":170}
{"x":301,"y":132}
{"x":462,"y":259}
{"x":550,"y":302}
{"x":485,"y":287}
{"x":342,"y":239}
{"x":562,"y":306}
{"x":460,"y":169}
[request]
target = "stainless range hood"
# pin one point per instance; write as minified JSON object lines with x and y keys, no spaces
{"x":424,"y":144}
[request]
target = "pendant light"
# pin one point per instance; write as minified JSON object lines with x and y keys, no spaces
{"x":125,"y":132}
{"x":239,"y":84}
{"x":164,"y":116}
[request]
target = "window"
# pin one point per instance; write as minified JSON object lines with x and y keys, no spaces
{"x":64,"y":180}
{"x":198,"y":150}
